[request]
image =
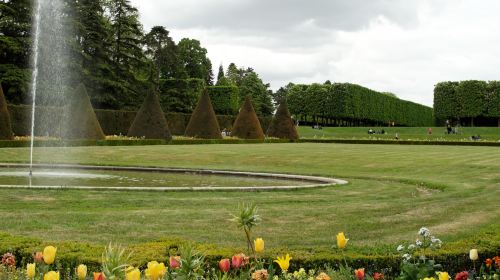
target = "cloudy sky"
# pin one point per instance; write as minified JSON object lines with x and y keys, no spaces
{"x":400,"y":46}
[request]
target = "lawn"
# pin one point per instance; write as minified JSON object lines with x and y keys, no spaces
{"x":405,"y":133}
{"x":393,"y":191}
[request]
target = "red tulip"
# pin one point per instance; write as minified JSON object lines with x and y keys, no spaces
{"x":360,"y":273}
{"x":464,"y":275}
{"x":175,"y":262}
{"x":237,"y":261}
{"x":378,"y":276}
{"x":98,"y":276}
{"x":224,"y":265}
{"x":38,"y":257}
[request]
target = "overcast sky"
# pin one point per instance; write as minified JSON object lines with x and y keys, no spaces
{"x":400,"y":46}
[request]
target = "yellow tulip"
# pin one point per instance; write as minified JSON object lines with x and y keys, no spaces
{"x":259,"y":245}
{"x":81,"y":271}
{"x":31,"y":270}
{"x":443,"y":275}
{"x":429,"y":278}
{"x":49,"y":254}
{"x":51,"y":275}
{"x":341,"y":240}
{"x":283,"y":262}
{"x":155,"y":270}
{"x":133,"y":274}
{"x":473,"y":255}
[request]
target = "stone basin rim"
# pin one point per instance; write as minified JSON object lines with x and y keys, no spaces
{"x":316,"y":181}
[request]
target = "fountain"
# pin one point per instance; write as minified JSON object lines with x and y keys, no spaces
{"x":54,"y":87}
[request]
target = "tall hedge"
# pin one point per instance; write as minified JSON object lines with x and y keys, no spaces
{"x":180,"y":95}
{"x":282,"y":125}
{"x":150,"y":121}
{"x":81,"y":120}
{"x":247,"y":125}
{"x":354,"y":103}
{"x":203,"y":122}
{"x":5,"y":125}
{"x":224,"y":99}
{"x":467,"y":100}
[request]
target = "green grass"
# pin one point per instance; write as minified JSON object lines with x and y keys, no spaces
{"x":393,"y":191}
{"x":405,"y":133}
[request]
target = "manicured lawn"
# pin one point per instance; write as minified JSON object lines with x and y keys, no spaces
{"x":393,"y":191}
{"x":405,"y":133}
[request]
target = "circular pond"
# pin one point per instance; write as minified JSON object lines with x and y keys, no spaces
{"x":150,"y":179}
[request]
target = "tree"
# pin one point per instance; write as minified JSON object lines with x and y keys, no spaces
{"x":81,"y":119}
{"x":220,"y":75}
{"x":126,"y":48}
{"x":164,"y":53}
{"x":282,"y":125}
{"x":15,"y":44}
{"x":150,"y":121}
{"x":93,"y":30}
{"x":203,"y":122}
{"x":195,"y":61}
{"x":253,"y":86}
{"x":281,"y":94}
{"x":247,"y":125}
{"x":5,"y":125}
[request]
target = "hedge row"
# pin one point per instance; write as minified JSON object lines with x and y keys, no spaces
{"x":113,"y":122}
{"x":141,"y":142}
{"x":353,"y":103}
{"x":467,"y":99}
{"x":453,"y":256}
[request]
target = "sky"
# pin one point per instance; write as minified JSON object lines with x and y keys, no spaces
{"x":399,"y":46}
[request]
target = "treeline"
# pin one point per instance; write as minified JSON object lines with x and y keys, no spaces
{"x":344,"y":104}
{"x":468,"y":102}
{"x":117,"y":60}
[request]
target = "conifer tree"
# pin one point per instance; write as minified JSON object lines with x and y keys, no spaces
{"x":150,"y":121}
{"x":282,"y":125}
{"x":5,"y":125}
{"x":247,"y":124}
{"x":203,"y":122}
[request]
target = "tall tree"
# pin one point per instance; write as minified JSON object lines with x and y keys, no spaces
{"x":194,"y":58}
{"x":93,"y":31}
{"x":220,"y":74}
{"x":253,"y":86}
{"x":164,"y":53}
{"x":126,"y":46}
{"x":15,"y":44}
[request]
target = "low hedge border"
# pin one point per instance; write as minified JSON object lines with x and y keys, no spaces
{"x":453,"y":256}
{"x":141,"y":142}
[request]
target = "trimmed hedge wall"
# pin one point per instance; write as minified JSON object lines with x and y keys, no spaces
{"x":453,"y":256}
{"x":467,"y":100}
{"x":224,"y":99}
{"x":344,"y":102}
{"x":113,"y":122}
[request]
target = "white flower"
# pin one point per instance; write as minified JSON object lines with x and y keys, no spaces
{"x":424,"y":232}
{"x":411,"y":247}
{"x":400,"y":248}
{"x":418,"y":243}
{"x":406,"y":257}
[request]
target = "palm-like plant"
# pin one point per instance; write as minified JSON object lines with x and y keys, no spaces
{"x":191,"y":264}
{"x":114,"y":262}
{"x":247,"y":218}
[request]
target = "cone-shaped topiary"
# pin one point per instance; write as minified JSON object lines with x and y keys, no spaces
{"x":247,"y":125}
{"x":203,"y":122}
{"x":282,"y":125}
{"x":81,"y":122}
{"x":150,"y":121}
{"x":5,"y":125}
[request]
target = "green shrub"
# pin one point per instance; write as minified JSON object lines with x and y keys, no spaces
{"x":224,"y":99}
{"x":282,"y":125}
{"x":5,"y":125}
{"x":203,"y":122}
{"x":150,"y":121}
{"x":247,"y":125}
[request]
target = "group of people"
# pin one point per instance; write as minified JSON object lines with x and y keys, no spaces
{"x":371,"y":131}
